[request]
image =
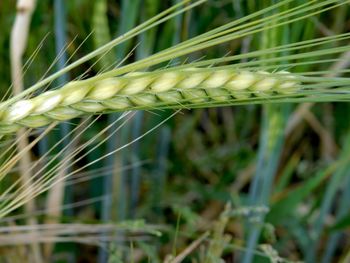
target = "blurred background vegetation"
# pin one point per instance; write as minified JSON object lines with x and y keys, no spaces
{"x":254,"y":183}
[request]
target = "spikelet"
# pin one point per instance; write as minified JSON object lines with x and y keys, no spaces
{"x":140,"y":90}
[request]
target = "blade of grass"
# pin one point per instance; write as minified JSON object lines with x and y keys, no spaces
{"x":335,"y":182}
{"x":341,"y":212}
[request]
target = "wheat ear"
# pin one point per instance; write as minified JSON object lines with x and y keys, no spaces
{"x":144,"y":91}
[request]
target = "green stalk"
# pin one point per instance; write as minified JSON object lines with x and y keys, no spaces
{"x":101,"y":37}
{"x":61,"y":40}
{"x":127,"y":21}
{"x":146,"y":47}
{"x":270,"y":150}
